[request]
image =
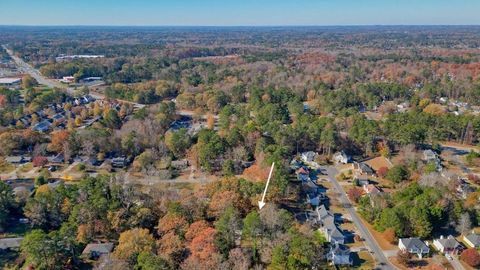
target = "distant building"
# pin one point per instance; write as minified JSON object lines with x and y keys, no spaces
{"x":179,"y":164}
{"x":414,"y":246}
{"x":68,"y":79}
{"x":10,"y":243}
{"x":309,"y":156}
{"x":17,"y":159}
{"x":472,"y":240}
{"x":43,"y":126}
{"x":371,"y":189}
{"x":328,"y":226}
{"x":342,"y":157}
{"x":339,"y":255}
{"x":95,"y":251}
{"x":447,"y":245}
{"x":9,"y":82}
{"x":363,"y":168}
{"x":303,"y":174}
{"x":429,"y":155}
{"x":119,"y":162}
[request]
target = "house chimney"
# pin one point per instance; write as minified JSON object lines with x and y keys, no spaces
{"x":441,"y":236}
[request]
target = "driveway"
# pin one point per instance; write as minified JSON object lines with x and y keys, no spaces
{"x":377,"y":252}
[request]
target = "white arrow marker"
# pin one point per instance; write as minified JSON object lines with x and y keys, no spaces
{"x":261,"y":203}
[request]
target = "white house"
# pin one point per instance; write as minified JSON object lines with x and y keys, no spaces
{"x":472,"y":240}
{"x":341,"y":157}
{"x":10,"y":81}
{"x":309,"y":156}
{"x":447,"y":245}
{"x":413,"y":246}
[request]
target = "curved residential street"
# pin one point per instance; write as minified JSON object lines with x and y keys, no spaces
{"x":381,"y":260}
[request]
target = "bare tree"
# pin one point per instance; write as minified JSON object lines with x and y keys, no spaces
{"x":464,"y":224}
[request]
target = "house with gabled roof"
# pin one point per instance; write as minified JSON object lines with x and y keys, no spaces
{"x":328,"y":226}
{"x":472,"y":240}
{"x":96,"y":250}
{"x":447,"y":245}
{"x":339,"y":255}
{"x":342,"y":157}
{"x":414,"y":246}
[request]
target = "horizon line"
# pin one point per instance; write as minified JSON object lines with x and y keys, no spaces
{"x":246,"y":25}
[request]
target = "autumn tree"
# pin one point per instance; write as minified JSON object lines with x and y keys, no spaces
{"x":471,"y":257}
{"x":58,"y":138}
{"x":132,"y":242}
{"x":354,"y":194}
{"x":404,"y":257}
{"x":171,"y":248}
{"x":203,"y":253}
{"x":172,"y":222}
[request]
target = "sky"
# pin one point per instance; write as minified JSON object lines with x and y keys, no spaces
{"x":239,"y":12}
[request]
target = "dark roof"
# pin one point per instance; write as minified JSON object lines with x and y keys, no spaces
{"x":474,"y":238}
{"x":101,"y":248}
{"x":411,"y":243}
{"x":450,"y":242}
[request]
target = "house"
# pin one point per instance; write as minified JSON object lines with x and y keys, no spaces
{"x":472,"y":240}
{"x":315,"y":198}
{"x":56,"y":159}
{"x":43,"y":126}
{"x":328,"y":226}
{"x":303,"y":174}
{"x":414,"y":246}
{"x":339,"y":255}
{"x":362,"y":180}
{"x":9,"y":82}
{"x":179,"y":164}
{"x":364,"y":168}
{"x":463,"y":188}
{"x":341,"y":157}
{"x":68,"y":79}
{"x":95,"y":251}
{"x":371,"y":189}
{"x":308,"y":157}
{"x":15,"y":160}
{"x":429,"y":155}
{"x":10,"y":243}
{"x":447,"y":245}
{"x":295,"y":164}
{"x":119,"y":162}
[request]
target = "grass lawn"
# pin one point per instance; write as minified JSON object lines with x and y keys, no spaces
{"x":363,"y":260}
{"x":384,"y":244}
{"x":6,"y":167}
{"x":26,"y":168}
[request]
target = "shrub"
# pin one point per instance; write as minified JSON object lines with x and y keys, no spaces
{"x":382,"y":172}
{"x":471,"y":257}
{"x":354,"y":194}
{"x":398,"y":174}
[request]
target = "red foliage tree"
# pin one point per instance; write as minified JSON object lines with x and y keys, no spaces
{"x":354,"y":194}
{"x":39,"y":161}
{"x":471,"y":257}
{"x":382,"y":172}
{"x":203,"y":252}
{"x":474,"y":179}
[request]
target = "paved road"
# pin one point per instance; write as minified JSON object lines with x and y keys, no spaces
{"x":27,"y":68}
{"x":24,"y":67}
{"x":381,"y":259}
{"x":456,"y":263}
